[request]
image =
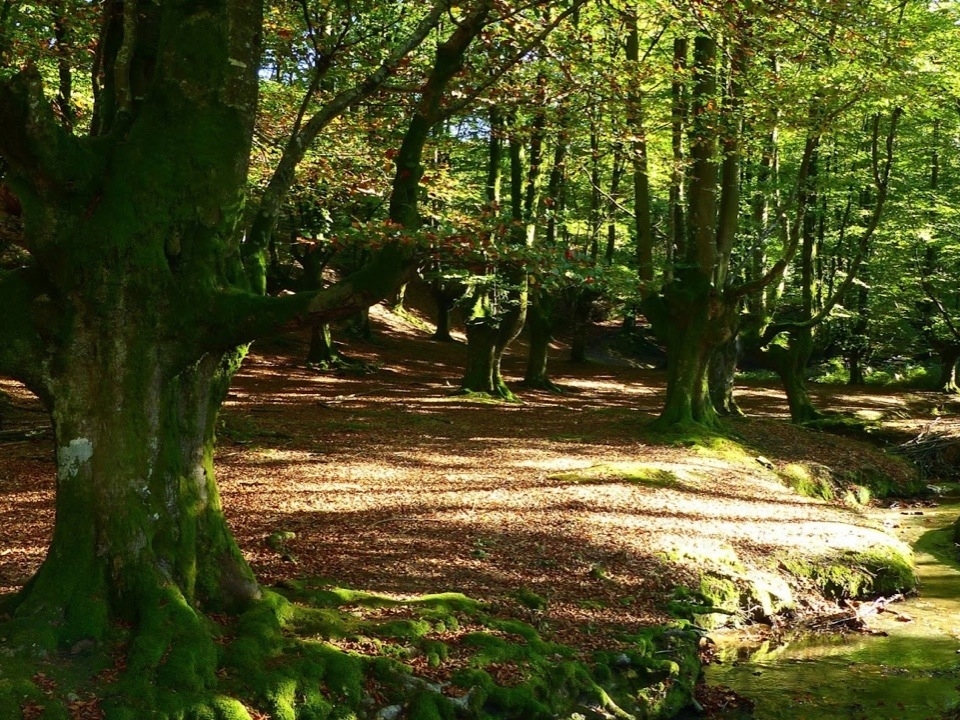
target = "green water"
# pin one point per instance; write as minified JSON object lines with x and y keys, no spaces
{"x":912,"y":674}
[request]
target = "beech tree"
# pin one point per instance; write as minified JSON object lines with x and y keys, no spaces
{"x":134,"y":306}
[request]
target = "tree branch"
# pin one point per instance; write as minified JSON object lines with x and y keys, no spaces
{"x":240,"y":317}
{"x":941,"y":310}
{"x":265,"y":220}
{"x":882,"y":181}
{"x":495,"y":76}
{"x":43,"y":158}
{"x":793,"y":234}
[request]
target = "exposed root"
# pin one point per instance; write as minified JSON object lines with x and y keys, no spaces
{"x":303,"y":657}
{"x":545,"y":384}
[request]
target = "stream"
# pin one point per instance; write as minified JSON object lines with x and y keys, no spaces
{"x":911,"y":674}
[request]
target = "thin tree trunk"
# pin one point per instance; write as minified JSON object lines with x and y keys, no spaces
{"x":677,"y":244}
{"x":322,"y":353}
{"x":581,"y":308}
{"x":641,"y":180}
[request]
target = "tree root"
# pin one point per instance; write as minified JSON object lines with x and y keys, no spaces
{"x":281,"y":659}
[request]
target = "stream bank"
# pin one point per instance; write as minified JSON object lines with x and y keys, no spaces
{"x":906,"y":667}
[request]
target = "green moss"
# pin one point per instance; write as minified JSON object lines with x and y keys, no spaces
{"x":276,"y":658}
{"x":404,"y":629}
{"x":700,"y":439}
{"x":876,"y":571}
{"x":429,"y":706}
{"x":530,"y":599}
{"x":809,"y":481}
{"x":857,"y":495}
{"x":728,"y":593}
{"x":854,"y":487}
{"x":324,"y":593}
{"x":639,"y":473}
{"x":941,"y":544}
{"x":839,"y":424}
{"x":881,"y":484}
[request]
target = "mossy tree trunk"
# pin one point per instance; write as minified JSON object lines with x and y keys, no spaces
{"x":502,"y":303}
{"x":691,"y":325}
{"x":541,"y":311}
{"x":480,"y":374}
{"x":540,"y":322}
{"x":139,"y":530}
{"x":642,"y":215}
{"x":790,"y":363}
{"x":482,"y":325}
{"x":132,"y":316}
{"x":693,"y":314}
{"x":722,"y":374}
{"x":120,"y":302}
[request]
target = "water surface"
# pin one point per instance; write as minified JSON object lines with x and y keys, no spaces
{"x":912,"y":674}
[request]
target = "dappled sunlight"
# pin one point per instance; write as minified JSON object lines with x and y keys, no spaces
{"x":392,"y":482}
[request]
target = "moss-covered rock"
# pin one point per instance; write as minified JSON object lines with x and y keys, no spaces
{"x":876,"y":571}
{"x":810,"y":480}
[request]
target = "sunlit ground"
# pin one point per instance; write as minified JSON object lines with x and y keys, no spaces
{"x":393,"y":483}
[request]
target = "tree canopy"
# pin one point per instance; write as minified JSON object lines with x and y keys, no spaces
{"x":769,"y":182}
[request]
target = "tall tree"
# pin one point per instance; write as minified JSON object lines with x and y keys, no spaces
{"x":133,"y":309}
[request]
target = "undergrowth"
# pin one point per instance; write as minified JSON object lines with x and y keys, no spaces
{"x":314,"y":651}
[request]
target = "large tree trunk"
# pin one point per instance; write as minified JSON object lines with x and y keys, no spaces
{"x":692,"y":324}
{"x":480,"y":373}
{"x":140,"y":535}
{"x":131,"y":276}
{"x":129,"y":323}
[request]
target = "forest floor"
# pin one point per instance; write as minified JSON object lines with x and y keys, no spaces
{"x":394,"y":484}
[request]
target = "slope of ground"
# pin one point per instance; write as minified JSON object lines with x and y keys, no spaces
{"x":561,"y":510}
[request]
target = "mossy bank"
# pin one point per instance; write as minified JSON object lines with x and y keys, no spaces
{"x":313,"y":651}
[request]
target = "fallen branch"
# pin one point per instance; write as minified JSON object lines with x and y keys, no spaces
{"x":937,"y":454}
